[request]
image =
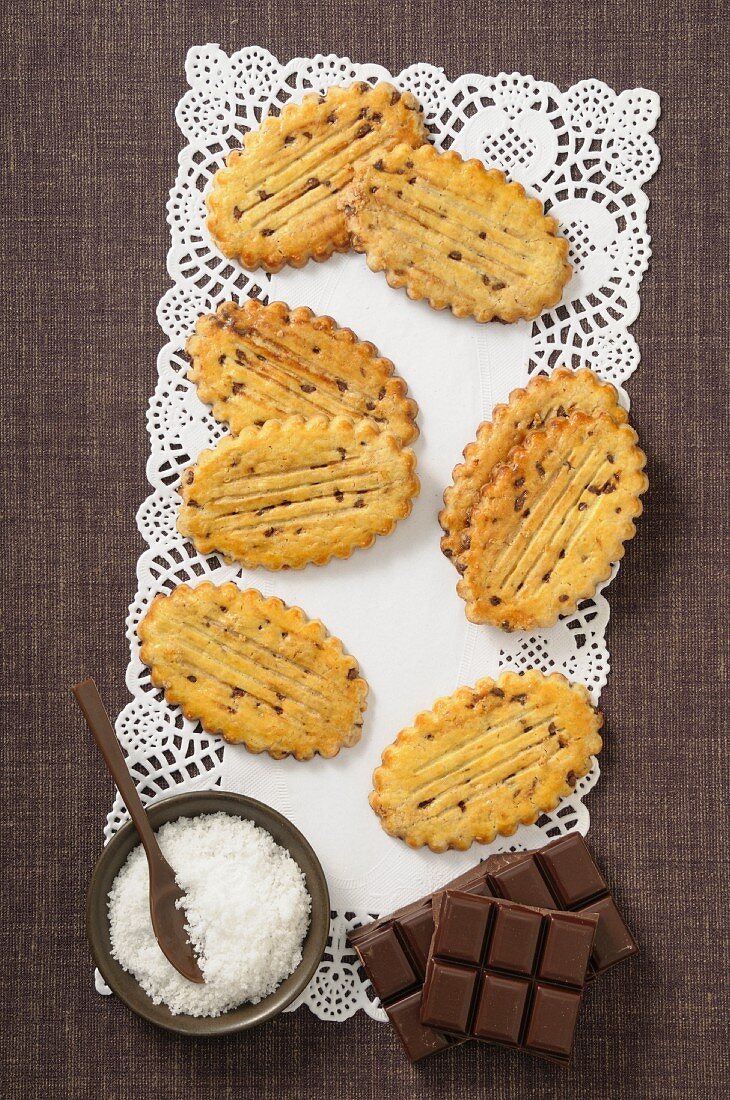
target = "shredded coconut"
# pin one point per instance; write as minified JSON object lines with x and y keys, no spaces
{"x":247,"y":911}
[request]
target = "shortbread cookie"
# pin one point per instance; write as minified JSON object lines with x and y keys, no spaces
{"x":254,"y":363}
{"x":557,"y":394}
{"x":456,"y":234}
{"x":297,"y":491}
{"x":485,"y":760}
{"x":551,"y":522}
{"x":254,"y":670}
{"x":275,"y":202}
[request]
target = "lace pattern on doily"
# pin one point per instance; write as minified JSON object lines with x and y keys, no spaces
{"x":586,"y":153}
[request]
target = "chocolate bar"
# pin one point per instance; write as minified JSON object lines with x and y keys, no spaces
{"x":507,"y":974}
{"x":394,"y":949}
{"x":564,"y":876}
{"x":394,"y":952}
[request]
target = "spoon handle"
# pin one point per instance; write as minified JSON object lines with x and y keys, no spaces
{"x":88,"y":698}
{"x":166,"y":896}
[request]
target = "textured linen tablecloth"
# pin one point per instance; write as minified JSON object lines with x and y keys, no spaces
{"x":89,"y":148}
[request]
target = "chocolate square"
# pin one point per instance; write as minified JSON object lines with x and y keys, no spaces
{"x":523,"y":883}
{"x":461,"y":928}
{"x":553,"y":1016}
{"x":447,"y":997}
{"x":567,"y":949}
{"x":501,"y":1008}
{"x":514,"y":939}
{"x":418,"y":1040}
{"x":384,"y":957}
{"x":613,"y":940}
{"x":572,"y":871}
{"x":417,"y":930}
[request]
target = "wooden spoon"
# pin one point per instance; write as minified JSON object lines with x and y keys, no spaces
{"x":168,"y":921}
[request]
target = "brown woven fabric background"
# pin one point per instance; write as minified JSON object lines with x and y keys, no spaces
{"x":89,"y":152}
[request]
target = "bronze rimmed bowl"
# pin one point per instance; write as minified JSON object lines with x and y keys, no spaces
{"x":125,"y":985}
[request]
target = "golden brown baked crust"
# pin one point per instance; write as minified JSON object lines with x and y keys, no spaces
{"x":254,"y":670}
{"x":457,"y":234}
{"x":485,"y":760}
{"x":545,"y":396}
{"x":297,"y":491}
{"x":275,"y":202}
{"x":551,"y":522}
{"x":254,"y":363}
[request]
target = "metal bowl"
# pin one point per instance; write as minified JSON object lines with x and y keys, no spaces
{"x":125,"y":985}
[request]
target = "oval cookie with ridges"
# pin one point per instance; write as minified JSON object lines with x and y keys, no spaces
{"x":275,"y":201}
{"x":456,"y":234}
{"x":297,"y":491}
{"x":486,"y":760}
{"x":545,"y":396}
{"x":254,"y":363}
{"x":551,"y":522}
{"x":257,"y":672}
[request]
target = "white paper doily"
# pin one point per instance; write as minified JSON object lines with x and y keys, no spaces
{"x":586,"y":153}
